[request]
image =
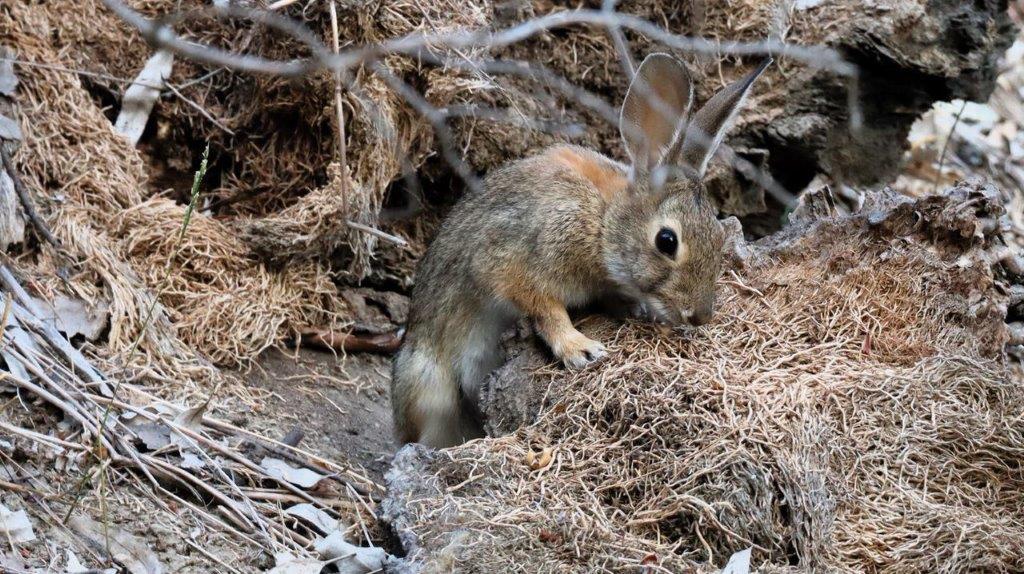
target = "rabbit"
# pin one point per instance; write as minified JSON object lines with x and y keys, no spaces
{"x":559,"y":230}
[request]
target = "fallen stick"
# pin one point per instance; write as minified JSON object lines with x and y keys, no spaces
{"x":384,"y":344}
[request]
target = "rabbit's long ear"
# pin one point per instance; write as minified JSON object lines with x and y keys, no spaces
{"x":704,"y":133}
{"x":655,"y":109}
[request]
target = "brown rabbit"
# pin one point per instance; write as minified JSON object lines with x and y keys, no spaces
{"x":561,"y":229}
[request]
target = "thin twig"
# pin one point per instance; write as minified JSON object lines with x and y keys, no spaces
{"x":87,"y":73}
{"x":199,"y":109}
{"x":945,"y":147}
{"x":158,"y":34}
{"x":619,"y":40}
{"x":377,"y":233}
{"x":340,"y":111}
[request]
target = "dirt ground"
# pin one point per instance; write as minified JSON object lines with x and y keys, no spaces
{"x":341,"y":406}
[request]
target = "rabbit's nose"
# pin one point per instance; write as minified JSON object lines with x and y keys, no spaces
{"x":700,"y":316}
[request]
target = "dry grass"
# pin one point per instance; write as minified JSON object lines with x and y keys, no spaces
{"x":218,"y":302}
{"x":849,"y":410}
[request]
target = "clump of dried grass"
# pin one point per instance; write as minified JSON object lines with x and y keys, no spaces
{"x":849,"y":410}
{"x":217,"y":301}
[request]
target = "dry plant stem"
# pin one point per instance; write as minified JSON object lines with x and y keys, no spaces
{"x":105,"y":417}
{"x":377,"y":233}
{"x":225,"y":479}
{"x":158,"y":34}
{"x":54,"y":441}
{"x":185,"y":478}
{"x":64,"y":389}
{"x":15,"y":487}
{"x":423,"y":45}
{"x":26,"y":200}
{"x":212,"y":445}
{"x":619,"y":40}
{"x":945,"y":146}
{"x":66,"y":408}
{"x":285,"y":498}
{"x":339,"y":109}
{"x":212,"y":557}
{"x":26,"y":312}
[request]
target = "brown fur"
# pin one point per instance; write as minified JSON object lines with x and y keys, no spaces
{"x":607,"y":178}
{"x":547,"y":233}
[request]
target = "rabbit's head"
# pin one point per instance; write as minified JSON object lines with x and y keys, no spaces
{"x":662,"y":240}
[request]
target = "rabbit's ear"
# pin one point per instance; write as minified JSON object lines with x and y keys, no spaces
{"x":706,"y":130}
{"x":655,"y":109}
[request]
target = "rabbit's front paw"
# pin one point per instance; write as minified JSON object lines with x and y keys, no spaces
{"x":643,"y":312}
{"x":578,"y":351}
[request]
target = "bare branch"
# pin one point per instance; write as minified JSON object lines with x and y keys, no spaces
{"x":448,"y":49}
{"x":436,"y":119}
{"x":814,"y":56}
{"x":161,"y":36}
{"x":621,"y":47}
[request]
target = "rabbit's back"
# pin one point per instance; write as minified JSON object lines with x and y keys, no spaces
{"x":538,"y":220}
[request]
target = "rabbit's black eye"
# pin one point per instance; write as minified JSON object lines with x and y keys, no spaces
{"x":666,"y":241}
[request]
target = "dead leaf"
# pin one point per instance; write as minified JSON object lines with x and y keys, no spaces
{"x":9,"y":129}
{"x":351,"y":559}
{"x":153,"y":435}
{"x":73,"y":316}
{"x":739,"y":563}
{"x":314,"y":517}
{"x":288,"y":564}
{"x":127,"y":550}
{"x":15,"y":525}
{"x":141,"y":96}
{"x":281,"y":470}
{"x":75,"y":566}
{"x":190,"y":461}
{"x":8,"y":79}
{"x":12,"y":217}
{"x":191,"y":419}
